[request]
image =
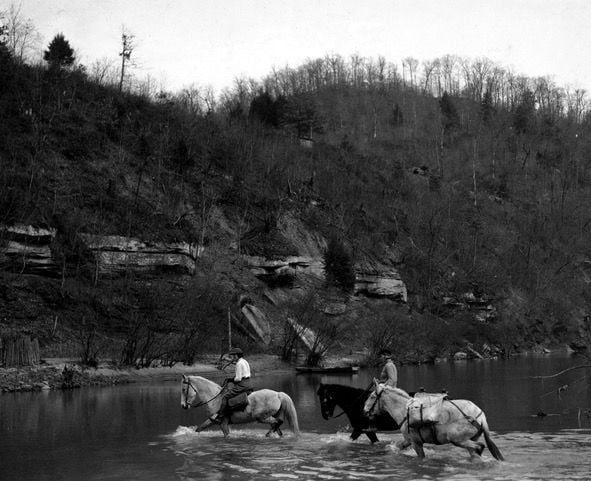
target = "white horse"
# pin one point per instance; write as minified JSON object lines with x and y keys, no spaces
{"x":264,"y":406}
{"x":460,"y":422}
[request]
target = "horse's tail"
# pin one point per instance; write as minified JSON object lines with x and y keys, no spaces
{"x":291,"y":415}
{"x":492,"y":447}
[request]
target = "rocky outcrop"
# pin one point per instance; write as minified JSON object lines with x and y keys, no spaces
{"x":381,"y":284}
{"x":371,"y":283}
{"x":272,"y":271}
{"x":27,"y":249}
{"x":116,"y":254}
{"x":481,"y":306}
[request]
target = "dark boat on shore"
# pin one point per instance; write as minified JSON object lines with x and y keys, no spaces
{"x":327,"y":370}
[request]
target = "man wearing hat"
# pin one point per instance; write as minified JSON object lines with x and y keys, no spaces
{"x":240,"y":382}
{"x":389,"y":373}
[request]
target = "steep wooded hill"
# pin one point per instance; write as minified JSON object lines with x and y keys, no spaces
{"x":474,"y":210}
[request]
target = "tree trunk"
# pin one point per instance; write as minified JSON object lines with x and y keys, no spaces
{"x":19,"y":351}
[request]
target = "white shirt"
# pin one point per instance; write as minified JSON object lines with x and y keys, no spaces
{"x":242,"y":370}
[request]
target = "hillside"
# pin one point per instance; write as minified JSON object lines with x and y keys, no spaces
{"x":375,"y":214}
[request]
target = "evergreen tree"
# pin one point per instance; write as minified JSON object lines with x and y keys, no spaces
{"x":449,"y":112}
{"x":338,"y":266}
{"x":59,"y":54}
{"x":487,"y":109}
{"x":397,"y":116}
{"x":524,"y":114}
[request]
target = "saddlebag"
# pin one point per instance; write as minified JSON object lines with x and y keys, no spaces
{"x":238,"y":402}
{"x":424,"y":409}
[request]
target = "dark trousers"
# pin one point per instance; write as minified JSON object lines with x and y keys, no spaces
{"x":233,"y":389}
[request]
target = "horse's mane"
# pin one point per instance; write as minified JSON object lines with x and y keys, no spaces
{"x":343,"y":389}
{"x":203,"y":384}
{"x":397,"y":390}
{"x":347,"y":397}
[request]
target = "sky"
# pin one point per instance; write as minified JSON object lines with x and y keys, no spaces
{"x":212,"y":42}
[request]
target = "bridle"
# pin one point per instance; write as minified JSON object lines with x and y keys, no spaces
{"x":187,"y":382}
{"x":377,"y":399}
{"x":324,"y":401}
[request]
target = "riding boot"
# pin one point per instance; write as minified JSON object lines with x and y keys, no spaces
{"x":219,"y":416}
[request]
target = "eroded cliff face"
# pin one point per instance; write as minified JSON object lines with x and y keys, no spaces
{"x":28,"y":250}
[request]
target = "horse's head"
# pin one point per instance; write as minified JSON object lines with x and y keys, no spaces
{"x":372,"y":405}
{"x":199,"y":391}
{"x":327,"y":401}
{"x":188,"y":392}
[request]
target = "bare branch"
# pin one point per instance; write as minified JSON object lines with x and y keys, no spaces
{"x":581,"y":366}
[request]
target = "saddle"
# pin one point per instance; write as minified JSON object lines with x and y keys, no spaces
{"x":423,"y":409}
{"x":238,"y":402}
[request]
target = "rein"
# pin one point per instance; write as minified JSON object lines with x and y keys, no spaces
{"x":201,"y":403}
{"x":338,"y":415}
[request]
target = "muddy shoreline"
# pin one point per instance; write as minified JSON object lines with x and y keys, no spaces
{"x":67,"y":374}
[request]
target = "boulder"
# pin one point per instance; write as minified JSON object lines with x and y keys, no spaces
{"x":460,"y":356}
{"x":257,"y":321}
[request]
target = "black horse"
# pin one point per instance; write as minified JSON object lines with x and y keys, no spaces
{"x":351,"y":400}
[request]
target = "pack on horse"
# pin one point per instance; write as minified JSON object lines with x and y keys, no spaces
{"x":434,"y":420}
{"x":352,"y":400}
{"x":263,"y":406}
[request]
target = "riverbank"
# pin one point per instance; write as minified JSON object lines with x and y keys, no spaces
{"x":67,"y":374}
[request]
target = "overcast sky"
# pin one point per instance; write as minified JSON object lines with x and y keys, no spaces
{"x":210,"y":42}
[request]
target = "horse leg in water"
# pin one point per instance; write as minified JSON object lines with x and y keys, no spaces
{"x":224,"y":426}
{"x":277,"y":429}
{"x":474,"y":448}
{"x":402,"y":445}
{"x":274,"y":422}
{"x":205,"y":424}
{"x":359,"y":431}
{"x":418,"y":447}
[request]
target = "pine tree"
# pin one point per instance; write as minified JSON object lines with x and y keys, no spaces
{"x":449,"y":111}
{"x":487,"y":108}
{"x":338,"y":265}
{"x":59,"y":54}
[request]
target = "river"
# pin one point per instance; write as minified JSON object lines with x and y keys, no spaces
{"x":140,"y":432}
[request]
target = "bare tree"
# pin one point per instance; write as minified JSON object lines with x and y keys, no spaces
{"x":430,"y":69}
{"x":22,"y":38}
{"x":411,"y":65}
{"x":103,"y":71}
{"x":449,"y":68}
{"x":127,"y":48}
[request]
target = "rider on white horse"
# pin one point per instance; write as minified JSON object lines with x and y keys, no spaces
{"x":240,"y":381}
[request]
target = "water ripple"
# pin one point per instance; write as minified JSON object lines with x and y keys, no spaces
{"x":248,"y":454}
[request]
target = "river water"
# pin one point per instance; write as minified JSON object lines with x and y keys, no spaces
{"x":139,"y":431}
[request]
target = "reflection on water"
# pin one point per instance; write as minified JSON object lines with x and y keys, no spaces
{"x":249,"y":455}
{"x":140,"y":432}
